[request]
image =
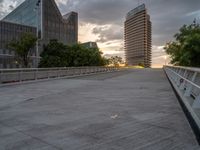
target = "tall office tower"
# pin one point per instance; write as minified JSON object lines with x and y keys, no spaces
{"x":138,"y":37}
{"x":41,"y":17}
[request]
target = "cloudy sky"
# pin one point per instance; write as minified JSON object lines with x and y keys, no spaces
{"x":102,"y":20}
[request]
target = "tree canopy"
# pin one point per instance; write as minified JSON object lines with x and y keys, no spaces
{"x":23,"y":48}
{"x":56,"y":54}
{"x":185,"y":50}
{"x":115,"y":60}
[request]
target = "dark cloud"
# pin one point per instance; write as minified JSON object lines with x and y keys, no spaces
{"x":110,"y":33}
{"x":100,"y":11}
{"x":1,"y":6}
{"x":167,"y":15}
{"x":7,"y":6}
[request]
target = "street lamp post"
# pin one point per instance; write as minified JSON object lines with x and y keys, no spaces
{"x":37,"y":22}
{"x":165,"y":60}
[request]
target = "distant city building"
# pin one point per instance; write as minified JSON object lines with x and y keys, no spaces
{"x":42,"y":16}
{"x":90,"y":44}
{"x":138,"y":37}
{"x":9,"y":32}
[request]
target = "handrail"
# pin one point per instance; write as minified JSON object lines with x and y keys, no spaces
{"x":186,"y":68}
{"x":186,"y":82}
{"x":195,"y":85}
{"x":31,"y":74}
{"x":17,"y":69}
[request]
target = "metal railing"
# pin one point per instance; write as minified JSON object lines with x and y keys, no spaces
{"x":186,"y":82}
{"x":22,"y":75}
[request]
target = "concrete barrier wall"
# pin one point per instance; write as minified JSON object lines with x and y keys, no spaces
{"x":22,"y":75}
{"x":186,"y":82}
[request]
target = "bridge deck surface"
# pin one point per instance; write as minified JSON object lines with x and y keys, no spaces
{"x":129,"y":110}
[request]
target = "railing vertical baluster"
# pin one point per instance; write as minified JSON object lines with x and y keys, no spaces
{"x":48,"y":74}
{"x":177,"y":77}
{"x":183,"y":84}
{"x":196,"y":103}
{"x":1,"y":75}
{"x":189,"y":88}
{"x":20,"y":75}
{"x":36,"y":73}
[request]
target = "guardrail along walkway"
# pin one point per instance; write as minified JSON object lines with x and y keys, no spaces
{"x":124,"y":110}
{"x":186,"y":82}
{"x":24,"y":75}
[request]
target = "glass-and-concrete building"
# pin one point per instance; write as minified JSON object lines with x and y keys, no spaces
{"x":90,"y":45}
{"x":138,"y":43}
{"x":8,"y":32}
{"x":42,"y":18}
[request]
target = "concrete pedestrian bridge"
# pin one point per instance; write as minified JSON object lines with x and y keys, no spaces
{"x":130,"y":109}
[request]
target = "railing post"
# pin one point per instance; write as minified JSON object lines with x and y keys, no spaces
{"x":58,"y":72}
{"x":80,"y":70}
{"x":183,"y":84}
{"x":196,"y":103}
{"x":1,"y":74}
{"x":36,"y":72}
{"x":20,"y":75}
{"x":71,"y":71}
{"x":91,"y":70}
{"x":84,"y":70}
{"x":189,"y":88}
{"x":177,"y":78}
{"x":76,"y":71}
{"x":48,"y":73}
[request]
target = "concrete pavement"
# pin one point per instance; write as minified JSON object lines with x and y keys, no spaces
{"x":128,"y":110}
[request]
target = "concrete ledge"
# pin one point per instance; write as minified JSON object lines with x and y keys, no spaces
{"x":58,"y":78}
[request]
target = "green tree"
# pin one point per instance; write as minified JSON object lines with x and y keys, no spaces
{"x":23,"y":48}
{"x":185,"y":50}
{"x":115,"y":60}
{"x":56,"y":54}
{"x":141,"y":65}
